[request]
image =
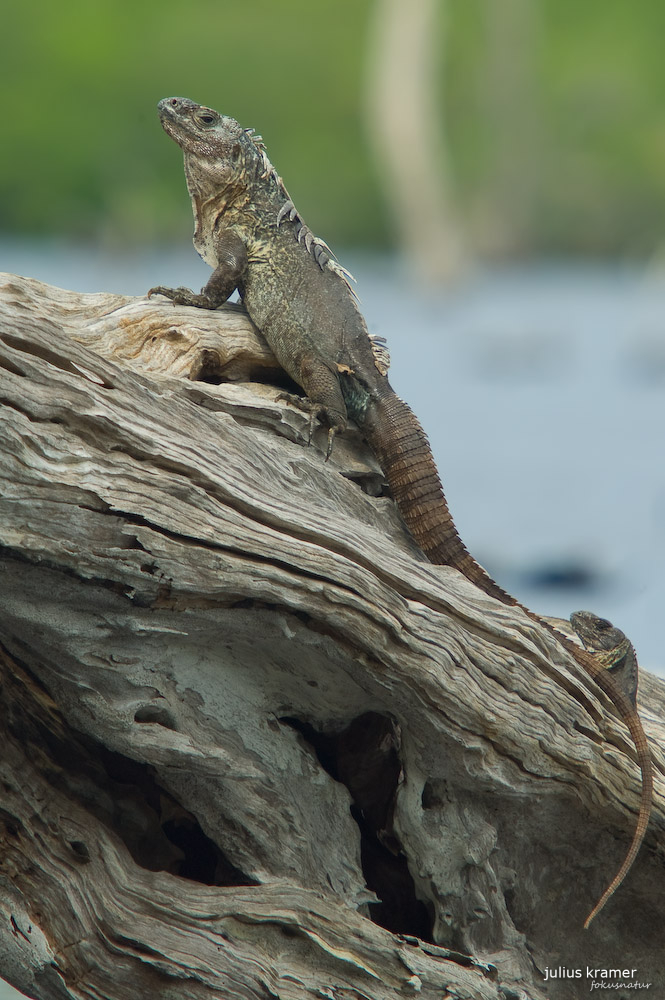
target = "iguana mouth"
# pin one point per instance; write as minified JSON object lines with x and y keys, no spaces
{"x":174,"y":115}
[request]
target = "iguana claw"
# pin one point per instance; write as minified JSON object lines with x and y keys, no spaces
{"x":316,"y":411}
{"x":331,"y":437}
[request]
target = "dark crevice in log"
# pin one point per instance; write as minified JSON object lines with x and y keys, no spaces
{"x":122,"y":793}
{"x":207,"y":367}
{"x":155,"y":715}
{"x":11,"y":367}
{"x":211,"y":368}
{"x":202,"y":860}
{"x":44,"y":353}
{"x":11,"y":554}
{"x":365,"y":758}
{"x":387,"y":874}
{"x":371,"y":485}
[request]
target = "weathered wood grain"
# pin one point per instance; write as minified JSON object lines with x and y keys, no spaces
{"x":214,"y":644}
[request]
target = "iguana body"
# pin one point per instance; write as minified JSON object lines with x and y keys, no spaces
{"x":297,"y":295}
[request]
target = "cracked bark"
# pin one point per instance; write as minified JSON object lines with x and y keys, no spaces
{"x":254,"y":744}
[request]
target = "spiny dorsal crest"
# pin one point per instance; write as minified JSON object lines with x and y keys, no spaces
{"x":317,"y":247}
{"x":380,"y":352}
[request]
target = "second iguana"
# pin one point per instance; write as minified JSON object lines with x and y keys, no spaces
{"x":249,"y":231}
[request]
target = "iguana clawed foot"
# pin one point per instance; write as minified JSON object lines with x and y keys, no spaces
{"x":317,"y":413}
{"x":184,"y":297}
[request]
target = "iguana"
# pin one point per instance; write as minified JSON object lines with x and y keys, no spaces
{"x":610,"y":648}
{"x":249,"y":231}
{"x":614,"y":653}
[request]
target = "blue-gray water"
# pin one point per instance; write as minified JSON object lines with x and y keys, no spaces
{"x":543,"y":392}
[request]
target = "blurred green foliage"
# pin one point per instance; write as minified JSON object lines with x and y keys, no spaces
{"x":571,"y":160}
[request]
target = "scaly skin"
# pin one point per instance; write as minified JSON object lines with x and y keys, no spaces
{"x":611,"y":649}
{"x":615,"y":654}
{"x":249,"y":231}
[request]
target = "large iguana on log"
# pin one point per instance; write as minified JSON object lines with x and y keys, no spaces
{"x":249,"y":231}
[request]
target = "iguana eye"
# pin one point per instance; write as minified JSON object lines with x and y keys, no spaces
{"x":206,"y":118}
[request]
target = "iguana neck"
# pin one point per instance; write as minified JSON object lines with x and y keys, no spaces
{"x":237,"y":200}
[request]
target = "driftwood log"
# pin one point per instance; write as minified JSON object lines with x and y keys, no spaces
{"x":254,"y":745}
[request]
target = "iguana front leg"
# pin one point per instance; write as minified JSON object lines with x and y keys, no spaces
{"x":231,"y":254}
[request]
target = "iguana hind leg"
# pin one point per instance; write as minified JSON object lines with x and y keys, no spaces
{"x":324,"y":400}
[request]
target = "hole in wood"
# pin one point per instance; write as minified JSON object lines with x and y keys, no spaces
{"x":365,"y":758}
{"x":160,"y":834}
{"x":123,"y":794}
{"x":157,"y":715}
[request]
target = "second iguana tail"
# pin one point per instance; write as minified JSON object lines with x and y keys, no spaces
{"x":632,"y":721}
{"x":403,"y":451}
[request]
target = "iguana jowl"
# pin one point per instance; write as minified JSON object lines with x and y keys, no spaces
{"x":248,"y":230}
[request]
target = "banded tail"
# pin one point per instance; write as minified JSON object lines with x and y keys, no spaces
{"x":403,"y":450}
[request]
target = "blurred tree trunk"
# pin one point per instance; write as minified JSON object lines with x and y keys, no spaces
{"x":253,"y":744}
{"x":509,"y":100}
{"x":406,"y":126}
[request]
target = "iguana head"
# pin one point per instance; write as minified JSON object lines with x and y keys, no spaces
{"x":220,"y":155}
{"x":598,"y":634}
{"x":200,"y":130}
